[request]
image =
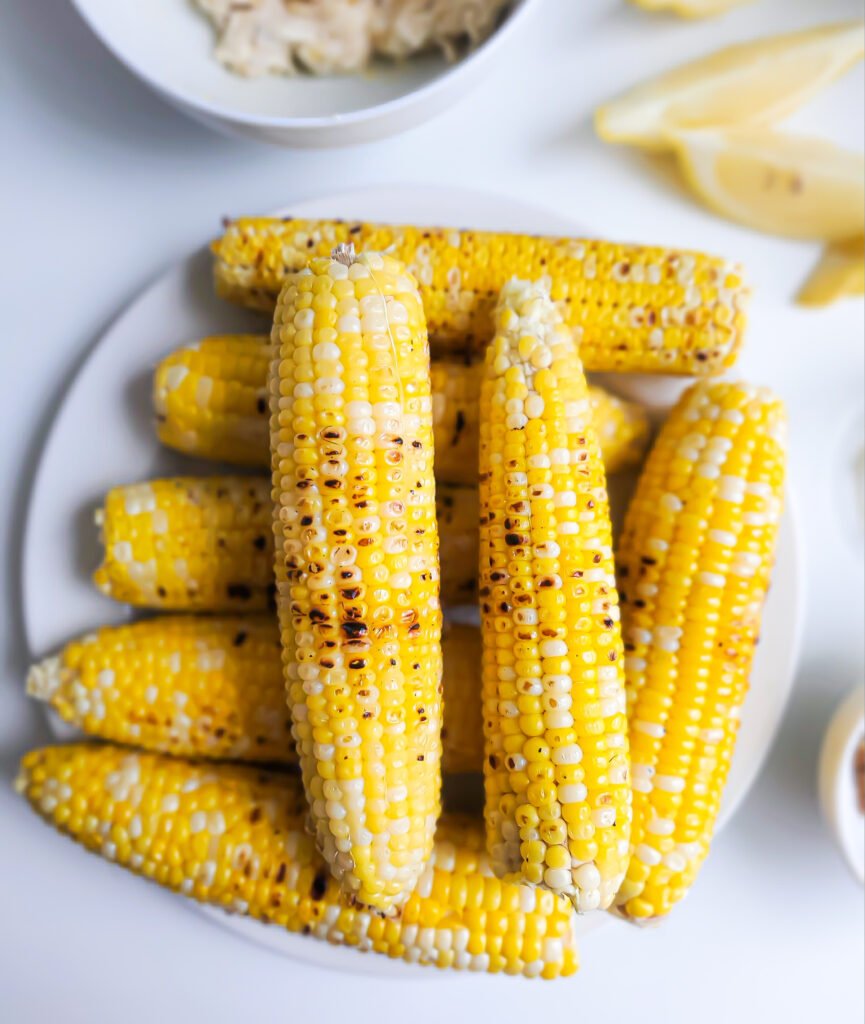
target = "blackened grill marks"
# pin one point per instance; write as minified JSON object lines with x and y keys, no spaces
{"x":354,"y":630}
{"x":459,"y":427}
{"x":319,"y":886}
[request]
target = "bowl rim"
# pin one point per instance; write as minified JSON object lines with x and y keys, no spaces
{"x":364,"y":115}
{"x":843,"y":735}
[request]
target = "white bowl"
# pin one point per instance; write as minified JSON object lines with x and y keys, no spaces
{"x":169,"y":45}
{"x":838,"y":794}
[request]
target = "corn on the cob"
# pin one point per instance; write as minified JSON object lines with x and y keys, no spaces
{"x":188,"y":544}
{"x":694,"y":564}
{"x":557,"y":784}
{"x":636,"y":308}
{"x":196,"y":686}
{"x":233,"y":837}
{"x":357,"y":571}
{"x":211,"y":401}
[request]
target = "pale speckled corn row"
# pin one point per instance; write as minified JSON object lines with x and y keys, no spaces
{"x":558,"y":798}
{"x":188,"y":543}
{"x":233,"y":837}
{"x":694,"y":564}
{"x":206,"y":544}
{"x":202,"y":686}
{"x":635,"y":308}
{"x":357,"y":569}
{"x":210,"y":400}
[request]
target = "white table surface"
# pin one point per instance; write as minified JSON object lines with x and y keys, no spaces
{"x":103,"y":185}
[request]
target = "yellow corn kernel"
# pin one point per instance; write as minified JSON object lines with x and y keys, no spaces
{"x":694,"y":563}
{"x":210,"y":400}
{"x":553,"y":682}
{"x":357,"y":570}
{"x":634,"y":307}
{"x":188,"y":544}
{"x":200,"y":686}
{"x":206,"y":544}
{"x":257,"y":859}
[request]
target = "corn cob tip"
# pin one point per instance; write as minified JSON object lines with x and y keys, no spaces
{"x":44,"y":679}
{"x":344,"y":254}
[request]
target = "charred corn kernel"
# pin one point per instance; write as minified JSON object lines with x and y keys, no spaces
{"x":694,"y":563}
{"x":210,"y":401}
{"x":553,"y":683}
{"x":188,"y":543}
{"x":357,"y":570}
{"x":197,"y":686}
{"x":206,"y":544}
{"x":634,"y":307}
{"x":257,"y":859}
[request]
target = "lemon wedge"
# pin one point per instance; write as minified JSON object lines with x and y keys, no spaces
{"x":781,"y":184}
{"x":840,"y":274}
{"x":691,"y":8}
{"x":751,"y":83}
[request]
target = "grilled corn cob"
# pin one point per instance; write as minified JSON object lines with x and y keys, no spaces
{"x":211,"y":400}
{"x":197,"y":686}
{"x":357,"y":571}
{"x":556,"y":773}
{"x":233,"y":837}
{"x":188,"y":544}
{"x":635,"y":308}
{"x":694,"y":563}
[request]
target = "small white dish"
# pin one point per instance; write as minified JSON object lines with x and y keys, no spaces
{"x":169,"y":45}
{"x":107,"y":415}
{"x":839,"y":795}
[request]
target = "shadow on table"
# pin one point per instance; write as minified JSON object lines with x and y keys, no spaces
{"x":64,"y":67}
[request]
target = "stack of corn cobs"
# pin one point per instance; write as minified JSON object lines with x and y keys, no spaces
{"x":603,"y":717}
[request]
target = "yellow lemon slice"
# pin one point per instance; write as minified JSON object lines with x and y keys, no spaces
{"x":691,"y":8}
{"x":840,"y":274}
{"x":781,"y":184}
{"x":752,"y":83}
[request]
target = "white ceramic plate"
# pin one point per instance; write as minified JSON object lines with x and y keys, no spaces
{"x":103,"y":436}
{"x":169,"y":45}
